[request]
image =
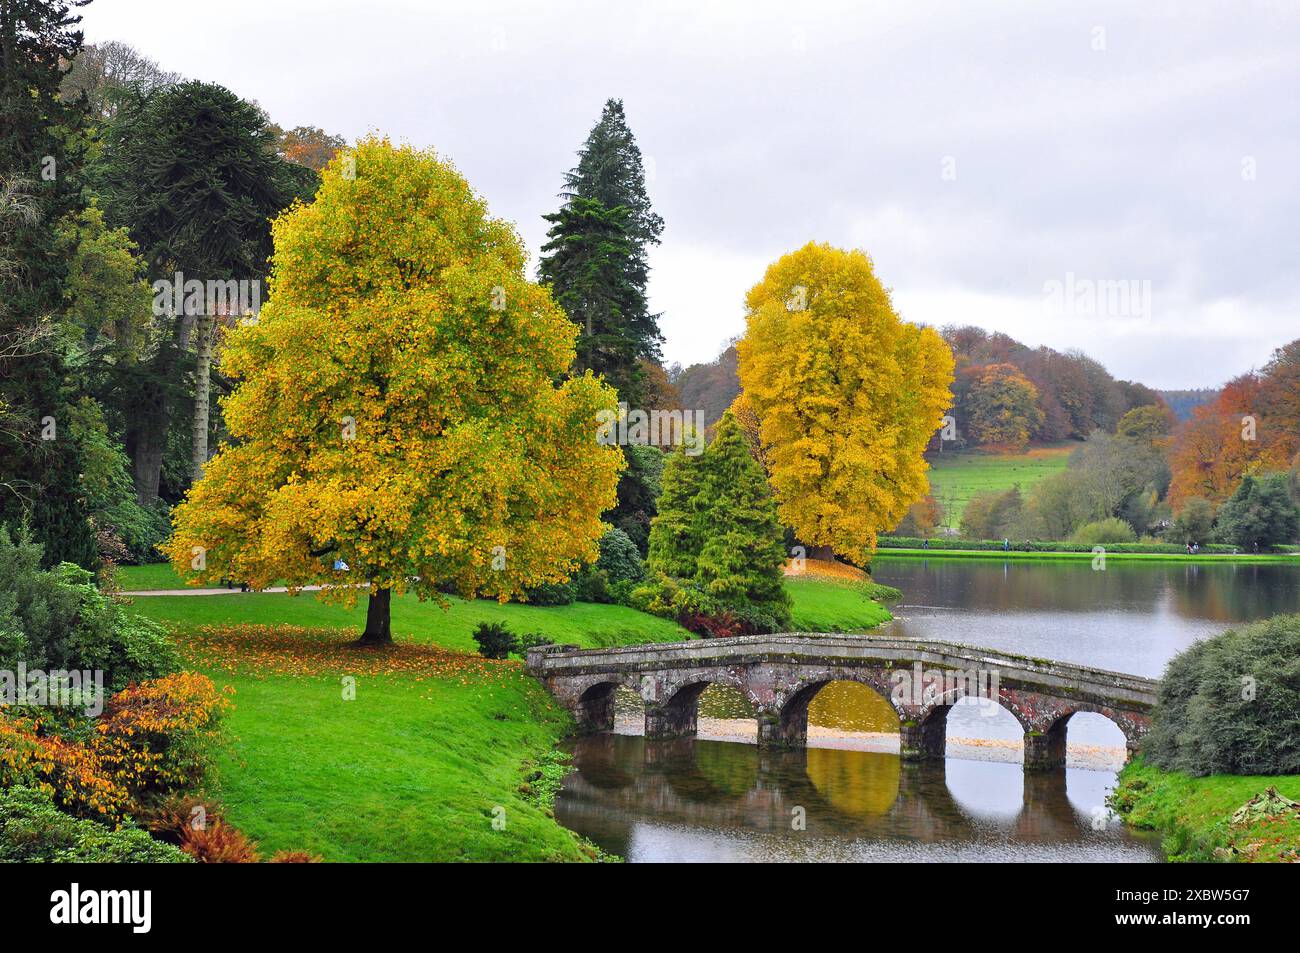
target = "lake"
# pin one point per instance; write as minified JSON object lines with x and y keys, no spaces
{"x":713,"y":800}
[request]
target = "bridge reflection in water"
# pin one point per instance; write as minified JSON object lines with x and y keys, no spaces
{"x":690,"y":799}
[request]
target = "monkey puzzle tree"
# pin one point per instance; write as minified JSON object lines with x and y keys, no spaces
{"x":846,"y":394}
{"x":401,"y":405}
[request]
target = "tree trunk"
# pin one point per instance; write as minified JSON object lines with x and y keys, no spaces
{"x":202,"y":378}
{"x":379,"y":621}
{"x":146,"y":439}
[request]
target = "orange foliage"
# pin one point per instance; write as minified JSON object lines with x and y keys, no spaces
{"x":218,"y":843}
{"x":295,"y":857}
{"x":154,"y":737}
{"x":72,"y":773}
{"x":1223,"y":442}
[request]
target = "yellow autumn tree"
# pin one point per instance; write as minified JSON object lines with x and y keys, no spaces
{"x":402,"y":405}
{"x":846,"y":394}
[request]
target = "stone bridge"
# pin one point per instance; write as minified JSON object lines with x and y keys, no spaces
{"x":780,"y":674}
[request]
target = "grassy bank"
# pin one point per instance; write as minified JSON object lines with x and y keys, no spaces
{"x":822,"y":605}
{"x":1194,"y":815}
{"x":436,"y":744}
{"x":1022,"y":556}
{"x":432,"y":749}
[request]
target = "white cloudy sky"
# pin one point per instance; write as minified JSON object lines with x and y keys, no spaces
{"x":1108,"y":141}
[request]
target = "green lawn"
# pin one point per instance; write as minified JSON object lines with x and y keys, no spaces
{"x":407,"y":771}
{"x":151,"y":576}
{"x":955,"y":476}
{"x":819,"y":606}
{"x":414,"y":767}
{"x":583,"y":623}
{"x":822,"y":605}
{"x":1194,"y":815}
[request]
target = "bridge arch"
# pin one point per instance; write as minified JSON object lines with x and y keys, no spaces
{"x":672,"y":701}
{"x":1056,"y":731}
{"x":926,"y":736}
{"x":784,"y":723}
{"x":593,"y":708}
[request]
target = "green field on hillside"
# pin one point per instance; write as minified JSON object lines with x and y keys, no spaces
{"x":955,"y":476}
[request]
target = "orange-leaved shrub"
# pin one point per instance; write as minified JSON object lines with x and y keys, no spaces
{"x":153,"y":740}
{"x":218,"y":843}
{"x":32,"y":755}
{"x":156,"y":738}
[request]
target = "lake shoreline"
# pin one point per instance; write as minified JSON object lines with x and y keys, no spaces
{"x":1020,"y":555}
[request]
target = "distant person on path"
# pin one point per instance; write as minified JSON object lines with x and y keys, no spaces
{"x":1006,"y":544}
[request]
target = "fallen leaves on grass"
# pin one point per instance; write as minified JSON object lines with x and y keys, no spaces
{"x":264,"y":650}
{"x":829,"y":569}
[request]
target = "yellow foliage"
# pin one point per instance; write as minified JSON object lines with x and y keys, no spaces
{"x":402,"y":402}
{"x":847,"y":395}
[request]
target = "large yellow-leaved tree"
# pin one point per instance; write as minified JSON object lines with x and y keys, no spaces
{"x":403,"y":406}
{"x":846,"y":395}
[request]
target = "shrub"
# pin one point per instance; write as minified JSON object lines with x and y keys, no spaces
{"x":33,"y":754}
{"x":156,"y":738}
{"x":152,"y":741}
{"x":1045,"y":546}
{"x":530,"y":640}
{"x":57,"y":619}
{"x":552,"y":594}
{"x":1103,"y":532}
{"x":218,"y":843}
{"x":495,"y":640}
{"x":619,"y":559}
{"x":33,"y":830}
{"x":1231,"y":704}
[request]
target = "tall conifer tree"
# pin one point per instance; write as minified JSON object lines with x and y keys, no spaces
{"x":596,"y":259}
{"x":39,"y":462}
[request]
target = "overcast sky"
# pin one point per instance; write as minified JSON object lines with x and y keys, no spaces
{"x":978,"y":155}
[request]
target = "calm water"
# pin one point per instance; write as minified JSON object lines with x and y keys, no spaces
{"x":699,"y":800}
{"x":711,"y":800}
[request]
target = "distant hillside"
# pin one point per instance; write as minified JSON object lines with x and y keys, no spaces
{"x":708,"y":387}
{"x":1075,"y":393}
{"x":1183,"y":402}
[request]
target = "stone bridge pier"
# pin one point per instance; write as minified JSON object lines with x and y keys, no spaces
{"x":781,"y":674}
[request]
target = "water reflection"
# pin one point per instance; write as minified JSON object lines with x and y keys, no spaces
{"x":712,"y":801}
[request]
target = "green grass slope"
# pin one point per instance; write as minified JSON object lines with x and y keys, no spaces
{"x":955,"y":476}
{"x":1194,"y":815}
